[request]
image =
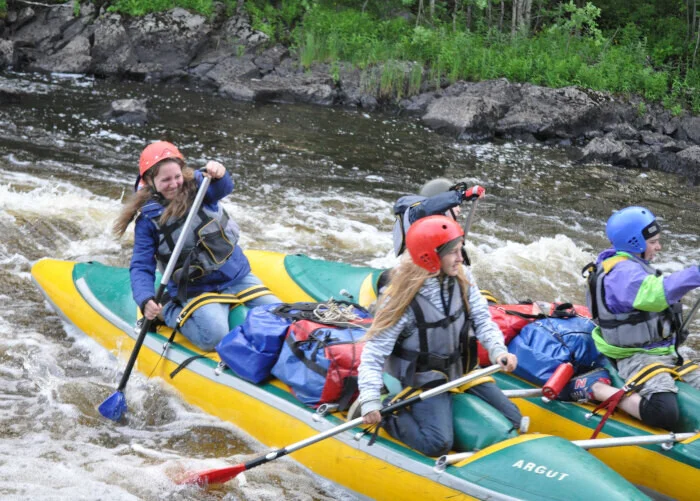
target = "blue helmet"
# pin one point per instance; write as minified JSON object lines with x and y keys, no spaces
{"x":628,"y":229}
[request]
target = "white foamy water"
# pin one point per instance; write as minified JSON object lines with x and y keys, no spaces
{"x":309,"y":180}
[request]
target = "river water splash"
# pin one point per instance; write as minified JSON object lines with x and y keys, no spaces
{"x":310,"y":180}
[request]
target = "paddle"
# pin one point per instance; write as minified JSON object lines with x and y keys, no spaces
{"x":114,"y":406}
{"x":690,"y":315}
{"x":470,"y":217}
{"x":683,"y":331}
{"x":666,"y":441}
{"x":221,"y":475}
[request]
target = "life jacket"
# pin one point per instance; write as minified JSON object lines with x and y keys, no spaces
{"x":207,"y":247}
{"x":635,"y":329}
{"x":401,"y":224}
{"x":435,"y":351}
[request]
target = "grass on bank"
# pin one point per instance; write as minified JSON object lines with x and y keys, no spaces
{"x":399,"y":57}
{"x":553,"y":58}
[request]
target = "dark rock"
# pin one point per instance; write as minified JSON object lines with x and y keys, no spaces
{"x":73,"y":58}
{"x":45,"y":28}
{"x":230,"y":69}
{"x":165,"y":43}
{"x":689,"y":129}
{"x":269,"y":59}
{"x":238,"y":91}
{"x":624,"y":131}
{"x":476,"y":109}
{"x":7,"y":53}
{"x":659,"y":142}
{"x":419,"y":103}
{"x":608,"y":150}
{"x":112,"y":53}
{"x":549,"y":113}
{"x":131,"y":111}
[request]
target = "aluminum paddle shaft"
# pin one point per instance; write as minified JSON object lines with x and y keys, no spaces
{"x":470,"y":217}
{"x":221,"y":475}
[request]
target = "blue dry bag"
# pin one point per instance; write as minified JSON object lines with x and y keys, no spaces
{"x":545,"y":344}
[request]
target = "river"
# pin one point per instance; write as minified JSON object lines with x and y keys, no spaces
{"x":310,"y":180}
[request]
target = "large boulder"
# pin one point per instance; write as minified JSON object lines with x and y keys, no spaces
{"x":606,"y":149}
{"x":74,"y":57}
{"x":475,"y":110}
{"x":112,"y":52}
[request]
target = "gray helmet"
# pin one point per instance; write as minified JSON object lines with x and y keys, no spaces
{"x":435,"y":187}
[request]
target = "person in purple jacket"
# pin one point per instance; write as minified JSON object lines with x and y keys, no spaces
{"x":211,"y":260}
{"x":638,"y":312}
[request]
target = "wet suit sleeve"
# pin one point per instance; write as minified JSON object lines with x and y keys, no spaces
{"x":438,"y":204}
{"x":143,"y":262}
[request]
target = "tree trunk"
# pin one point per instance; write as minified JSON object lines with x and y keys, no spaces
{"x":503,"y":14}
{"x":454,"y":15}
{"x":521,"y":16}
{"x":697,"y":29}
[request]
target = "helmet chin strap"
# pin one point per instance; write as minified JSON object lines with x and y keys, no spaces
{"x":157,"y":195}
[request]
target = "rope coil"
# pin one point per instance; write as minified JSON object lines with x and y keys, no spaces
{"x":334,"y":313}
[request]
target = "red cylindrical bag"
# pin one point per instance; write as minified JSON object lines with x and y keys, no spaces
{"x":556,"y":383}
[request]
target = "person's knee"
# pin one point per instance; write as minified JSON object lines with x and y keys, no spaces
{"x":204,"y":337}
{"x":436,"y":446}
{"x":660,"y":410}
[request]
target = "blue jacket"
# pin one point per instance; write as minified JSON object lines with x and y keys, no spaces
{"x":428,"y":206}
{"x":143,"y":261}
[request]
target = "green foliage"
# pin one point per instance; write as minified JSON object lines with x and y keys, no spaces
{"x":277,"y":19}
{"x":76,"y":8}
{"x":578,"y":21}
{"x":142,"y":7}
{"x":641,"y":47}
{"x":3,"y":8}
{"x":642,"y":109}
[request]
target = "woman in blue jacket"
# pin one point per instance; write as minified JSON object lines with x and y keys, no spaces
{"x":211,"y":260}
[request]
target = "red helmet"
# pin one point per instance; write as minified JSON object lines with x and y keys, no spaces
{"x":425,"y":237}
{"x":155,"y":152}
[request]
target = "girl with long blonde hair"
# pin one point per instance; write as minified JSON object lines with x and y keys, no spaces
{"x":421,"y":337}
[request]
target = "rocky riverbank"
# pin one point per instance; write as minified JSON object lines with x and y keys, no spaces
{"x":225,"y":55}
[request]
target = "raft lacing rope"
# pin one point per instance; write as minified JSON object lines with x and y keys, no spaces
{"x":333,"y":313}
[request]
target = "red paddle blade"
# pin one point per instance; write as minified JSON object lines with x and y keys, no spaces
{"x":217,"y":476}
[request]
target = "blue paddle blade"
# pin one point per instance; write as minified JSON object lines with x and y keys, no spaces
{"x":113,"y":407}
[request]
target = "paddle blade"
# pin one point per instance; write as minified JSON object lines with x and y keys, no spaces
{"x":114,"y":406}
{"x":217,"y":476}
